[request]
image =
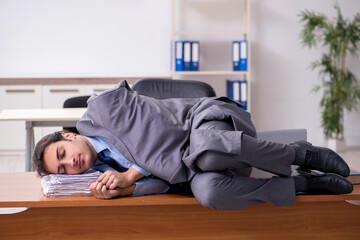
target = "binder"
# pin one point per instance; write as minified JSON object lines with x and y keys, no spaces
{"x":195,"y":51}
{"x":235,"y":55}
{"x":179,"y":56}
{"x":187,"y":56}
{"x":243,"y":55}
{"x":233,"y":90}
{"x":229,"y":89}
{"x":244,"y":93}
{"x":237,"y":91}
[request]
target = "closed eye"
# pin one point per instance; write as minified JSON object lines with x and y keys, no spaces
{"x":60,"y":154}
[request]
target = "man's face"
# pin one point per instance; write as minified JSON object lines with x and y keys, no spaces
{"x":69,"y":157}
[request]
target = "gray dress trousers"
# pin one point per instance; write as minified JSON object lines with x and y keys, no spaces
{"x":222,"y":180}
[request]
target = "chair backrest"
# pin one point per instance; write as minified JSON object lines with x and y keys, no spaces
{"x":160,"y":88}
{"x":75,"y":102}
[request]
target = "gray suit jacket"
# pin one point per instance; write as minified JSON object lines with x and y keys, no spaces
{"x":162,"y":136}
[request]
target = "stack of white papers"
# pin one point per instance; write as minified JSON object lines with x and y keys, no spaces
{"x":62,"y":185}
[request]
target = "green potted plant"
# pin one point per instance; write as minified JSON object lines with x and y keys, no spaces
{"x":339,"y":87}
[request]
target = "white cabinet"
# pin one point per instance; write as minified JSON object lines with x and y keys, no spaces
{"x":17,"y":97}
{"x":99,"y":88}
{"x":36,"y":96}
{"x":54,"y":96}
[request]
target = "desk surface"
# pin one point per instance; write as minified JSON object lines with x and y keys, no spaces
{"x":46,"y":114}
{"x":24,"y":190}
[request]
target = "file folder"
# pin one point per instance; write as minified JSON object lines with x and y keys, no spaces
{"x":235,"y":55}
{"x":244,"y":93}
{"x":237,"y":90}
{"x":195,"y":51}
{"x":179,"y":56}
{"x":233,"y":90}
{"x":229,"y":89}
{"x":187,"y":56}
{"x":243,"y":55}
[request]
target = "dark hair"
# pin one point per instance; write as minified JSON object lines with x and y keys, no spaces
{"x":38,"y":155}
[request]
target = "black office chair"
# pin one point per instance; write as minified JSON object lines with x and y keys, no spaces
{"x":169,"y":88}
{"x":160,"y":88}
{"x":75,"y":102}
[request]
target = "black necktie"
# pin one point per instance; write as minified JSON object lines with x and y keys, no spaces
{"x":111,"y":162}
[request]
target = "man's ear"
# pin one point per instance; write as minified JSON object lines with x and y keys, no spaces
{"x":68,"y":135}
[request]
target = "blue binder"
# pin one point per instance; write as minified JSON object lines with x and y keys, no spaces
{"x":237,"y":91}
{"x":195,"y":52}
{"x":243,"y":55}
{"x":235,"y":55}
{"x":179,"y":56}
{"x":233,"y":90}
{"x":229,"y":89}
{"x":244,"y":93}
{"x":187,"y":56}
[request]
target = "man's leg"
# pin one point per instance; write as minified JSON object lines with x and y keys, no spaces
{"x":272,"y":157}
{"x":228,"y":191}
{"x":268,"y":156}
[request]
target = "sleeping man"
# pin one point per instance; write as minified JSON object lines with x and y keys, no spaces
{"x":203,"y":146}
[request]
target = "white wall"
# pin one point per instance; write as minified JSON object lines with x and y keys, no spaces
{"x":84,"y":38}
{"x":282,"y":80}
{"x":94,"y":38}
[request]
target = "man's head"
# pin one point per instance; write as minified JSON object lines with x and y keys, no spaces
{"x":63,"y":153}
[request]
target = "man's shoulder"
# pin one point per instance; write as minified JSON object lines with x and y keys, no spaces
{"x":119,"y":88}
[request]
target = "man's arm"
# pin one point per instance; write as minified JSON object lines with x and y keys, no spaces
{"x":144,"y":186}
{"x":113,"y":184}
{"x":114,"y":180}
{"x":99,"y":190}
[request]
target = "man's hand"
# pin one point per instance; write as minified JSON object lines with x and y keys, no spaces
{"x":99,"y":190}
{"x":112,"y":180}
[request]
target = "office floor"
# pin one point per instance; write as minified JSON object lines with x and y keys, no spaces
{"x":13,"y":161}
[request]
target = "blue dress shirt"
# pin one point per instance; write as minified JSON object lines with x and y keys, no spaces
{"x":143,"y":186}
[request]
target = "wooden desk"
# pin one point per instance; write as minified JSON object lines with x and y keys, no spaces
{"x":169,"y":216}
{"x":66,"y":117}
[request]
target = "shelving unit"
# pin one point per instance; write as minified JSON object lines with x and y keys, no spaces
{"x":244,"y":34}
{"x":211,"y":72}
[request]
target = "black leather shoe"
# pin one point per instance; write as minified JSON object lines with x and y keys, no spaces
{"x":322,"y":159}
{"x":326,"y":183}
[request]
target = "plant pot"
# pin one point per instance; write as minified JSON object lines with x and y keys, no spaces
{"x":336,"y":144}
